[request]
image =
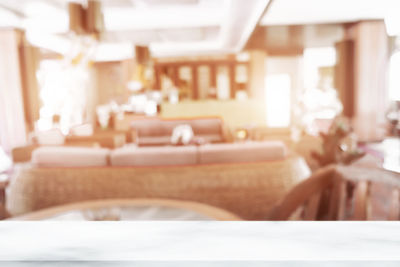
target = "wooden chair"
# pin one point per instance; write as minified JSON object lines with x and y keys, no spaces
{"x":343,"y":193}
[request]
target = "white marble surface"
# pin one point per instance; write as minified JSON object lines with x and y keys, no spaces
{"x":205,"y":263}
{"x":200,"y":241}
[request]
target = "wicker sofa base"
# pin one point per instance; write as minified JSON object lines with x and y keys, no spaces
{"x":248,"y":190}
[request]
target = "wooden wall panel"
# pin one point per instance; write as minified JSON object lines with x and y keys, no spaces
{"x":257,"y":74}
{"x":212,"y":63}
{"x":278,"y":40}
{"x":344,"y":75}
{"x":29,"y":61}
{"x":110,"y":82}
{"x":232,"y":82}
{"x":195,"y":85}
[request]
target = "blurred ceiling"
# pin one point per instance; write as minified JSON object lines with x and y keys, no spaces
{"x":181,"y":27}
{"x":170,"y":27}
{"x":298,"y":12}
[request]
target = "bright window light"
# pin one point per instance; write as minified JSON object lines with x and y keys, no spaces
{"x":8,"y":19}
{"x":277,"y":99}
{"x":314,"y":58}
{"x":394,"y":78}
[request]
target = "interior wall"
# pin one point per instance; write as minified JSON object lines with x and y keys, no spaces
{"x":257,"y":74}
{"x":291,"y":65}
{"x":252,"y":111}
{"x":235,"y":113}
{"x":110,"y":80}
{"x":29,"y":61}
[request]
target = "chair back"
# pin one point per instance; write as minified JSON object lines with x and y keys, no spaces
{"x":342,"y":193}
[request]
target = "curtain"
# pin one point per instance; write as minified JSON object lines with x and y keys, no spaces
{"x":12,"y":120}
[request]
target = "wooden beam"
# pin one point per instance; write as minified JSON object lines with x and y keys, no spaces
{"x":344,"y":75}
{"x":195,"y":86}
{"x":213,"y":75}
{"x":175,"y":76}
{"x":157,"y":77}
{"x":28,"y":56}
{"x":232,"y":80}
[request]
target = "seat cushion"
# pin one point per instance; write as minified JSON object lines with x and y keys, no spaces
{"x":153,"y":156}
{"x":241,"y":152}
{"x":60,"y":156}
{"x":211,"y":138}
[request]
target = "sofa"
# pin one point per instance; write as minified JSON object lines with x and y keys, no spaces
{"x":203,"y":154}
{"x":246,"y":179}
{"x":157,"y":131}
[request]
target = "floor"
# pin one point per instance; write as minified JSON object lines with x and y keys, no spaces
{"x":388,"y":152}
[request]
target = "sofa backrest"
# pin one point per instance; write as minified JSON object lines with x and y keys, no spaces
{"x":63,"y":156}
{"x":205,"y":154}
{"x":50,"y":137}
{"x":165,"y":127}
{"x":154,"y":156}
{"x":200,"y":126}
{"x":242,"y":152}
{"x":149,"y":127}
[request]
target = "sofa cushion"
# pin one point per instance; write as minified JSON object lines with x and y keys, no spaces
{"x":166,"y":140}
{"x":182,"y":134}
{"x":157,"y":127}
{"x":149,"y":127}
{"x":153,"y":156}
{"x":241,"y":152}
{"x":50,"y":137}
{"x":211,"y":138}
{"x":60,"y":156}
{"x":200,"y":126}
{"x":206,"y":126}
{"x":85,"y":129}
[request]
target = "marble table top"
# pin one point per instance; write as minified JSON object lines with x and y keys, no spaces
{"x":218,"y":243}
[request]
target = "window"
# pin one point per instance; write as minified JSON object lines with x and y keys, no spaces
{"x":203,"y":78}
{"x":223,"y":83}
{"x":314,"y":60}
{"x":394,"y":77}
{"x":277,"y":99}
{"x":320,"y":98}
{"x":63,"y":92}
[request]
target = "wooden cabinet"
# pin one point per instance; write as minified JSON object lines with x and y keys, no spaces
{"x":203,"y":79}
{"x":344,"y":75}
